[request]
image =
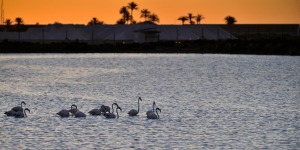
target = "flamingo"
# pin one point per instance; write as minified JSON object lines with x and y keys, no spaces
{"x":73,"y":110}
{"x":14,"y":110}
{"x":76,"y":112}
{"x":112,"y":115}
{"x":97,"y":112}
{"x":105,"y":109}
{"x":66,"y":113}
{"x":153,"y":115}
{"x":134,"y":112}
{"x":21,"y":114}
{"x":18,"y":108}
{"x":151,"y":111}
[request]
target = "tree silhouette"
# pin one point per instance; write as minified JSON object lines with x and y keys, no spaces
{"x":57,"y":23}
{"x":95,"y":21}
{"x":145,"y":13}
{"x":8,"y":24}
{"x":199,"y":17}
{"x":153,"y":18}
{"x":230,"y":20}
{"x":120,"y":21}
{"x":183,"y":19}
{"x":125,"y":17}
{"x":19,"y":22}
{"x":191,"y":17}
{"x":132,"y":6}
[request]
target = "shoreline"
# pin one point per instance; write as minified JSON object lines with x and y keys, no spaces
{"x":289,"y":47}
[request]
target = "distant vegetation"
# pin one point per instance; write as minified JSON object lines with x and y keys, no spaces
{"x":95,"y":21}
{"x":147,"y":16}
{"x":127,"y":17}
{"x":230,"y":20}
{"x":191,"y":18}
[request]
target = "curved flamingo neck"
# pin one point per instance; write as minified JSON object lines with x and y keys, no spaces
{"x":138,"y":105}
{"x":154,"y":106}
{"x":73,"y":106}
{"x":25,"y":115}
{"x":157,"y":114}
{"x":117,"y":113}
{"x":22,"y":104}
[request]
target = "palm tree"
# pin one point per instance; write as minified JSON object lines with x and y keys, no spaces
{"x":95,"y":21}
{"x":125,"y":14}
{"x":183,"y":19}
{"x":132,"y":6}
{"x":19,"y":22}
{"x":8,"y":23}
{"x":191,"y":17}
{"x":153,"y":18}
{"x":199,"y":17}
{"x":145,"y":13}
{"x":230,"y":20}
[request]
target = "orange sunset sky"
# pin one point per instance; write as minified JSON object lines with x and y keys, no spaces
{"x":214,"y":11}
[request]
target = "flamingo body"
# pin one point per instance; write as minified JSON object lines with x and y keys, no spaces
{"x":64,"y":113}
{"x":22,"y":114}
{"x":153,"y":115}
{"x":79,"y":114}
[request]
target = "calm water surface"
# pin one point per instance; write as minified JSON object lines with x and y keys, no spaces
{"x":207,"y":101}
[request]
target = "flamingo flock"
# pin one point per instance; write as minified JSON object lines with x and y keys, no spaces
{"x":19,"y":112}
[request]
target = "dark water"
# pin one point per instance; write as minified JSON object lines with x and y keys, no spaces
{"x":207,"y":101}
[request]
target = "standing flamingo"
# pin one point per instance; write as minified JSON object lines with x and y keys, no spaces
{"x":112,"y":115}
{"x":18,"y":108}
{"x":151,"y":111}
{"x":14,"y":110}
{"x":153,"y":115}
{"x":21,"y":114}
{"x":134,"y":112}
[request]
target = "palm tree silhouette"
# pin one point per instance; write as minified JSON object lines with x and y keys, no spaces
{"x":191,"y":17}
{"x":230,"y":20}
{"x":199,"y":17}
{"x":145,"y":13}
{"x":183,"y":19}
{"x":8,"y":24}
{"x":132,"y":6}
{"x":125,"y":14}
{"x":19,"y":23}
{"x":95,"y":21}
{"x":153,"y":18}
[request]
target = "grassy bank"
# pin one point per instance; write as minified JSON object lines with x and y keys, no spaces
{"x":257,"y":47}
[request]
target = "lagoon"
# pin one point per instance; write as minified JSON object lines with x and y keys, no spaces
{"x":207,"y":101}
